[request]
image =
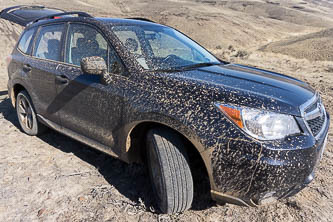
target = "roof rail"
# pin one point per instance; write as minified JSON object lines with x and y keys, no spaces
{"x":80,"y":14}
{"x":142,"y":19}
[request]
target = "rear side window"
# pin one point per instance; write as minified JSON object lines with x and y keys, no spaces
{"x":25,"y":41}
{"x":48,"y":42}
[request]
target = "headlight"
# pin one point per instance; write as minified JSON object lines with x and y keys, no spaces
{"x":261,"y":124}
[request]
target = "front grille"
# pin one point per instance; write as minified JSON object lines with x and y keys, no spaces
{"x":315,"y":116}
{"x":316,"y":124}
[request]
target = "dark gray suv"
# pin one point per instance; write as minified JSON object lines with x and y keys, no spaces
{"x":145,"y":92}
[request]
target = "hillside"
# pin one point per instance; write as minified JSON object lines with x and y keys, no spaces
{"x":315,"y":46}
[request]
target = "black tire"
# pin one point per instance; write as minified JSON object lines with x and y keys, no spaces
{"x":26,"y":115}
{"x":169,"y":171}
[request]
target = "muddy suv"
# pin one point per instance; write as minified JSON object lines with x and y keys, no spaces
{"x":144,"y":92}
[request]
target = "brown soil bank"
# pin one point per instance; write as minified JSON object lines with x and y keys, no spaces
{"x":315,"y":46}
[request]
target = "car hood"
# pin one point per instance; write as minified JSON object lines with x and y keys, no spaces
{"x":252,"y":87}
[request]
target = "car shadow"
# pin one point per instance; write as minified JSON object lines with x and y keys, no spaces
{"x":129,"y":179}
{"x":7,"y":110}
{"x":2,"y":93}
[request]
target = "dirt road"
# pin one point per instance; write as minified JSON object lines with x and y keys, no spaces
{"x":54,"y":178}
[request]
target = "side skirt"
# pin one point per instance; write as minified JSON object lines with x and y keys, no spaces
{"x":92,"y":143}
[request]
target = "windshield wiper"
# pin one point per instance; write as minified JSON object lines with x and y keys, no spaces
{"x":166,"y":70}
{"x":188,"y":67}
{"x":198,"y":65}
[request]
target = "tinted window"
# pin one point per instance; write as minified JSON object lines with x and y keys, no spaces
{"x":166,"y":45}
{"x":132,"y":43}
{"x":85,"y":41}
{"x":158,"y":47}
{"x":48,"y":42}
{"x":25,"y":41}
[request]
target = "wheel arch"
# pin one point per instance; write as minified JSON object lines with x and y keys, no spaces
{"x":136,"y":144}
{"x":15,"y":91}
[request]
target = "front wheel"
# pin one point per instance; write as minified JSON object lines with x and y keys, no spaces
{"x":169,"y":171}
{"x":27,"y":116}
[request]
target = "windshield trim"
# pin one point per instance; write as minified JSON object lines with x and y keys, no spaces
{"x":201,"y":54}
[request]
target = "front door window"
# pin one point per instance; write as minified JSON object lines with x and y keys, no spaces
{"x":85,"y":41}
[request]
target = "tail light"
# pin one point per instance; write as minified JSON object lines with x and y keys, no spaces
{"x":8,"y":59}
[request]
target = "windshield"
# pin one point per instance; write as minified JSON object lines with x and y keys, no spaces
{"x":162,"y":48}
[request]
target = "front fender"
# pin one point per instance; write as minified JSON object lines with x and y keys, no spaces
{"x":167,"y":121}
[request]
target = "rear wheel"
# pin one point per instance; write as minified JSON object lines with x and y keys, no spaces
{"x":27,"y":116}
{"x":169,"y":171}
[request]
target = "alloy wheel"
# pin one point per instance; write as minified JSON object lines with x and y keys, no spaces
{"x":25,"y":112}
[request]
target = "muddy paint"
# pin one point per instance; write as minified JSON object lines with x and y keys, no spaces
{"x":108,"y":107}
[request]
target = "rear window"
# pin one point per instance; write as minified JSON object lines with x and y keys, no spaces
{"x":48,"y":42}
{"x":25,"y":41}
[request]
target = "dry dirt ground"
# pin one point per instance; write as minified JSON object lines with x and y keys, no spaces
{"x":54,"y":178}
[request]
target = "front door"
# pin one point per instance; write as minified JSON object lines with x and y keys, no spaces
{"x":85,"y":105}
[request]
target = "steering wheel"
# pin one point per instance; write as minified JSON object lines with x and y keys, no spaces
{"x":170,"y":58}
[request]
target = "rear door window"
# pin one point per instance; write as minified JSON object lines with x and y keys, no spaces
{"x":48,"y":42}
{"x":25,"y":41}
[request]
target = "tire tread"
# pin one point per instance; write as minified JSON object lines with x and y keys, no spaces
{"x":175,"y":169}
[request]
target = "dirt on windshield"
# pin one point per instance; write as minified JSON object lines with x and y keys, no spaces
{"x":54,"y":178}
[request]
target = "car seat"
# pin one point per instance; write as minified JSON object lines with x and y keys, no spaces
{"x":131,"y":44}
{"x":78,"y":51}
{"x":85,"y":48}
{"x":53,"y":46}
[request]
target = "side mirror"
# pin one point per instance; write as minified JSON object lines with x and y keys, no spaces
{"x":93,"y":65}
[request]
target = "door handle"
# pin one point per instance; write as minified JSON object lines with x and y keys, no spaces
{"x":26,"y":68}
{"x":62,"y":79}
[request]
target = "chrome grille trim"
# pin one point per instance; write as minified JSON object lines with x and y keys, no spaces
{"x":311,"y":111}
{"x":313,"y":114}
{"x":311,"y":108}
{"x":308,"y":104}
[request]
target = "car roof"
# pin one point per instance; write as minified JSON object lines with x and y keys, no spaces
{"x":102,"y":20}
{"x":127,"y":21}
{"x":36,"y":15}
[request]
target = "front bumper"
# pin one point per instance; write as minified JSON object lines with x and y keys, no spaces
{"x":254,"y":173}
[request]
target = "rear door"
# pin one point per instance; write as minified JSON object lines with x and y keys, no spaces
{"x":43,"y":64}
{"x":23,"y":14}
